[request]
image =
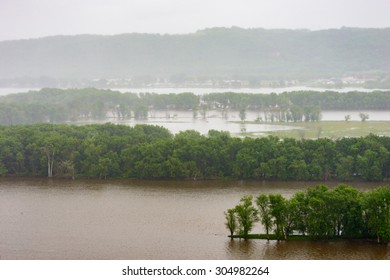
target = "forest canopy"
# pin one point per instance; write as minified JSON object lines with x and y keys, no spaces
{"x":152,"y":152}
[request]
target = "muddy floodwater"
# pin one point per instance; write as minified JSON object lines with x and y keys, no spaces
{"x":89,"y":219}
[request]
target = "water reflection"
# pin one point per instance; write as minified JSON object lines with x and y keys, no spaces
{"x":253,"y":249}
{"x":231,"y":121}
{"x":303,"y":250}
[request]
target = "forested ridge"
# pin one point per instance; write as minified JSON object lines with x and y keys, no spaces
{"x":152,"y":152}
{"x":216,"y":52}
{"x":66,"y":105}
{"x":319,"y":213}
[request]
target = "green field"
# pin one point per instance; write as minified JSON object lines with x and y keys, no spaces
{"x":329,"y":129}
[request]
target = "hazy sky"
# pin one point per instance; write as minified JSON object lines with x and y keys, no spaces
{"x":37,"y":18}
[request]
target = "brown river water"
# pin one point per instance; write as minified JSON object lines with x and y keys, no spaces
{"x":90,"y":219}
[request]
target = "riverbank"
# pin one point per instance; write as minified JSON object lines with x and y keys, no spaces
{"x":263,"y":236}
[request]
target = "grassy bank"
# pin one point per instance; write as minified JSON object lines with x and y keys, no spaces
{"x":329,"y":129}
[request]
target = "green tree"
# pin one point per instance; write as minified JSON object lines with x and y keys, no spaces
{"x":108,"y":165}
{"x":298,"y":210}
{"x":344,"y":168}
{"x":319,"y":215}
{"x":51,"y":147}
{"x":377,"y":213}
{"x":231,"y":222}
{"x":242,"y":114}
{"x":370,"y":164}
{"x":298,"y":170}
{"x":347,"y":211}
{"x":312,"y":113}
{"x":140,"y":112}
{"x":278,"y":210}
{"x":263,"y":203}
{"x":246,"y":215}
{"x":296,"y":113}
{"x":364,"y":116}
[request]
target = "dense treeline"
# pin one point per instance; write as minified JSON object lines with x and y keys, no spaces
{"x":57,"y":105}
{"x":103,"y":151}
{"x":328,"y":100}
{"x":320,"y":213}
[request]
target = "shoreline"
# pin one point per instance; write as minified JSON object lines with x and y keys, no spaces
{"x":329,"y":182}
{"x":263,"y":236}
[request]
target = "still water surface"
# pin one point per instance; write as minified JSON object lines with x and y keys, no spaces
{"x":60,"y":219}
{"x":176,"y":121}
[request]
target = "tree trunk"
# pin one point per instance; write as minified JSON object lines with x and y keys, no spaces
{"x":49,"y":172}
{"x":50,"y":163}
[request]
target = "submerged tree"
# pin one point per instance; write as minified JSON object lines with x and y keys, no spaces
{"x":347,"y":211}
{"x":246,"y":215}
{"x":278,"y":210}
{"x":364,"y":116}
{"x":263,"y":203}
{"x":320,"y":213}
{"x":231,"y":222}
{"x":377,"y":213}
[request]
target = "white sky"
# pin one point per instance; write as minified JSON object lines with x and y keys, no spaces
{"x":37,"y":18}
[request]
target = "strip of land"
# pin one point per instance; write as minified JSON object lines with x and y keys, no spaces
{"x":294,"y":237}
{"x":328,"y":129}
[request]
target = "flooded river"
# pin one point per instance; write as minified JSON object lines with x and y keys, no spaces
{"x":229,"y":120}
{"x":61,"y":219}
{"x":176,"y":121}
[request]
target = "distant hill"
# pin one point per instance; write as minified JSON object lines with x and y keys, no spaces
{"x":217,"y":52}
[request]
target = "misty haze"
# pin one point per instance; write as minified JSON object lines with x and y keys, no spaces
{"x":216,"y":57}
{"x":147,"y":134}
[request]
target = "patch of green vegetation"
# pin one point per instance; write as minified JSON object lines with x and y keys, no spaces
{"x":319,"y":213}
{"x":328,"y":129}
